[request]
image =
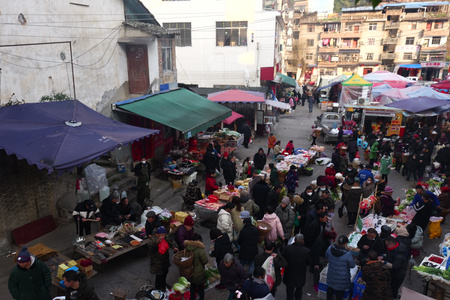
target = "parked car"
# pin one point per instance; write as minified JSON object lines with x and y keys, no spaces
{"x":328,"y":121}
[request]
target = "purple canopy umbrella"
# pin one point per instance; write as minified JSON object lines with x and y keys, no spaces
{"x":418,"y":104}
{"x":61,"y":135}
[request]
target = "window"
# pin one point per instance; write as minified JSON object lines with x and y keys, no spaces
{"x":296,"y":21}
{"x":372,"y":26}
{"x":309,"y":56}
{"x":296,"y":35}
{"x":369,"y":56}
{"x":409,"y":41}
{"x":311,"y":27}
{"x":166,"y":52}
{"x":184,"y":39}
{"x":436,"y":40}
{"x":348,"y":27}
{"x":438,"y":25}
{"x":310,"y":43}
{"x":371,"y":41}
{"x":413,"y":25}
{"x":231,"y":33}
{"x":407,"y":55}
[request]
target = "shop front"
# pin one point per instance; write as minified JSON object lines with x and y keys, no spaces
{"x":432,"y":70}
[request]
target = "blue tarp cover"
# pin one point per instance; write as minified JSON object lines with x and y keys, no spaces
{"x":378,"y":90}
{"x":418,"y":104}
{"x":411,"y":66}
{"x":38,"y":132}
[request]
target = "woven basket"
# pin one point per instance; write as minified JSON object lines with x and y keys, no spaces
{"x":263,"y":232}
{"x":405,"y":157}
{"x":176,"y":258}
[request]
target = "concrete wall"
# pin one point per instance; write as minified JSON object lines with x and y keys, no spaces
{"x":28,"y":194}
{"x":205,"y":64}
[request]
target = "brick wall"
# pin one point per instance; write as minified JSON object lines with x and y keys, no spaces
{"x":27,"y":193}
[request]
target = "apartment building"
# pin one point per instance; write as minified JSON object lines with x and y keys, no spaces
{"x":408,"y":38}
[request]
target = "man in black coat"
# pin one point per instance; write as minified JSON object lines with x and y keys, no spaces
{"x":297,"y":257}
{"x":259,"y":159}
{"x":370,"y":242}
{"x":222,"y":244}
{"x":273,"y":197}
{"x":152,"y":223}
{"x":109,"y":210}
{"x":209,"y":160}
{"x":82,"y":213}
{"x":143,"y":168}
{"x":278,"y":262}
{"x":259,"y":193}
{"x":396,"y":262}
{"x":246,"y":130}
{"x":336,"y":160}
{"x":248,"y":241}
{"x":314,"y":229}
{"x":352,"y":149}
{"x":228,"y":168}
{"x":77,"y":287}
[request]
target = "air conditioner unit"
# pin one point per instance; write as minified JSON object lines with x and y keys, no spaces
{"x":362,"y":101}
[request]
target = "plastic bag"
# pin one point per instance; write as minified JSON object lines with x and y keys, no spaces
{"x":95,"y":178}
{"x":434,"y":227}
{"x":269,"y":266}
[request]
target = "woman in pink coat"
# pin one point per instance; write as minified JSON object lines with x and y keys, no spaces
{"x":277,"y":229}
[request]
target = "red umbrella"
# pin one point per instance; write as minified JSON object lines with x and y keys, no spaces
{"x":234,"y":117}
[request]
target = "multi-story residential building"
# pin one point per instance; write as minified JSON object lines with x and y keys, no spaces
{"x":408,"y":38}
{"x":229,"y":43}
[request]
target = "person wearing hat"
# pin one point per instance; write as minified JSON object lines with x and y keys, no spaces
{"x":77,"y":287}
{"x":30,"y":278}
{"x":387,"y":202}
{"x":248,"y":204}
{"x":84,"y":213}
{"x":286,"y":216}
{"x":184,"y":232}
{"x":152,"y":223}
{"x":248,"y":242}
{"x":159,"y":245}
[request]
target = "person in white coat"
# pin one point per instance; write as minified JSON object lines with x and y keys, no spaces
{"x":224,"y":221}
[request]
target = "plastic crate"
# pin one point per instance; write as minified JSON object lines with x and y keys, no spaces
{"x":323,"y":288}
{"x":358,"y":289}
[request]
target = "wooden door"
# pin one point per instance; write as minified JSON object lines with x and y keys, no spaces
{"x":138,"y":75}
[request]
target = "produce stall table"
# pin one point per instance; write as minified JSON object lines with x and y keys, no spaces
{"x":434,"y":270}
{"x":122,"y":242}
{"x":207,"y":210}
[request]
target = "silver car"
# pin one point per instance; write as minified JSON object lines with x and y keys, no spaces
{"x":327,"y":121}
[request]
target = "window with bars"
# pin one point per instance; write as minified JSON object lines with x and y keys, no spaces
{"x":309,"y":42}
{"x":233,"y":34}
{"x":436,"y":40}
{"x":184,"y":39}
{"x":407,"y":55}
{"x":369,"y":56}
{"x":438,"y":25}
{"x":371,"y":41}
{"x":166,"y":53}
{"x":309,"y":56}
{"x":409,"y":41}
{"x":296,"y":35}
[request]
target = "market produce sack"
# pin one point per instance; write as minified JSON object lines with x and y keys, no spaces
{"x":434,"y":227}
{"x":269,"y":266}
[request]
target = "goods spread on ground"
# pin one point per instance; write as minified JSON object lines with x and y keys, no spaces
{"x":300,"y":159}
{"x":437,"y":267}
{"x":376,"y":221}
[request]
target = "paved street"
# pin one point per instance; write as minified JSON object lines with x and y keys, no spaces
{"x":132,"y":270}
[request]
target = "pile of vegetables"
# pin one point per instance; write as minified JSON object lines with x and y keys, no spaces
{"x":429,"y":270}
{"x":212,"y":275}
{"x":182,"y":285}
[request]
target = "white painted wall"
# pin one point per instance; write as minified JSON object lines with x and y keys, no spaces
{"x":100,"y":64}
{"x":207,"y":65}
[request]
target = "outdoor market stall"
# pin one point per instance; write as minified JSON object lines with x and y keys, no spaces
{"x":355,"y":90}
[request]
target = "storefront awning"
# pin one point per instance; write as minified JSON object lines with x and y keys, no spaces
{"x":180,"y":109}
{"x":287,"y":80}
{"x":278,"y":104}
{"x":411,"y":66}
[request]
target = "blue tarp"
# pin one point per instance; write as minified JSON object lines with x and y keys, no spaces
{"x":418,"y":104}
{"x":329,"y":85}
{"x":411,"y":66}
{"x":413,"y":92}
{"x":61,"y":135}
{"x":378,"y":90}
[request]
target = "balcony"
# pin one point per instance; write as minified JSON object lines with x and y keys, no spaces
{"x":388,"y":56}
{"x":327,"y":64}
{"x":390,"y":41}
{"x":328,"y":49}
{"x":413,"y":16}
{"x":330,"y":35}
{"x":436,"y":15}
{"x":391,"y":25}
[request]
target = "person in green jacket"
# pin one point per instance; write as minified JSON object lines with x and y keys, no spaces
{"x":385,"y":166}
{"x":77,"y":287}
{"x":273,"y":175}
{"x":373,"y":153}
{"x":198,"y":278}
{"x":30,"y":279}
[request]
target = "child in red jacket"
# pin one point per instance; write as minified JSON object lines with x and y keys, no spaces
{"x":211,"y":184}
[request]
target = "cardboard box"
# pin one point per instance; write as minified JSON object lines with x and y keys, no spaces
{"x":61,"y":269}
{"x":225,"y":197}
{"x":72,"y":263}
{"x":176,"y":183}
{"x":86,"y":270}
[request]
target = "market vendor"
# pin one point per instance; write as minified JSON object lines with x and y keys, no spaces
{"x":193,"y":193}
{"x":289,"y":147}
{"x":185,"y":232}
{"x":82,"y":213}
{"x":159,"y":246}
{"x":109,"y":210}
{"x":418,"y":197}
{"x":126,"y":211}
{"x":210,"y":183}
{"x":370,"y":242}
{"x":152,"y":223}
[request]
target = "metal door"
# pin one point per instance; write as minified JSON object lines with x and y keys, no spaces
{"x":138,"y":76}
